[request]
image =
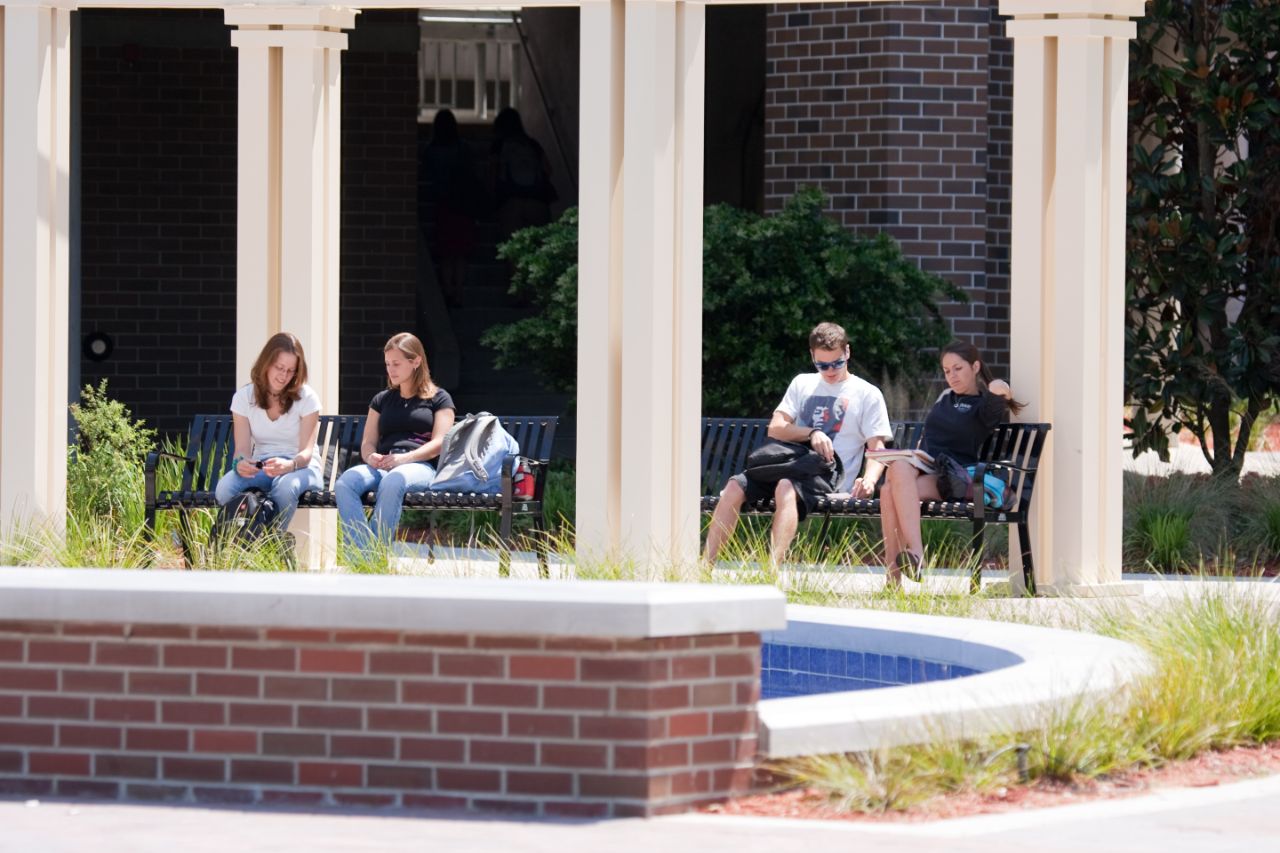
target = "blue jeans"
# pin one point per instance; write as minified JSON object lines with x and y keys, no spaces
{"x":359,"y":532}
{"x":284,"y":490}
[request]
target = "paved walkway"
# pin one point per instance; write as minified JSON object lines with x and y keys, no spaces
{"x":1237,"y":817}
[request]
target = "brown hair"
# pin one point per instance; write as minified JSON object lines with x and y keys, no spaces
{"x":410,"y":347}
{"x":276,"y":344}
{"x":828,"y":336}
{"x":971,"y":355}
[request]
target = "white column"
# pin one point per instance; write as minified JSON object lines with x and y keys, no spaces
{"x":288,"y":201}
{"x":640,"y":283}
{"x":599,"y":453}
{"x":1067,"y":276}
{"x":35,"y":134}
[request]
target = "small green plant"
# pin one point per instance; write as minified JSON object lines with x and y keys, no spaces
{"x":104,"y":467}
{"x":1165,"y":535}
{"x":1177,"y":521}
{"x":1259,"y":514}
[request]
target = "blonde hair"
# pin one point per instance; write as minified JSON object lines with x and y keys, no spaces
{"x":410,"y":347}
{"x":276,"y":344}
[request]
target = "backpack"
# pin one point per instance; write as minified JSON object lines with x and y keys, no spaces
{"x":955,"y":482}
{"x":472,"y":454}
{"x":245,"y":518}
{"x":522,"y":170}
{"x":789,"y":460}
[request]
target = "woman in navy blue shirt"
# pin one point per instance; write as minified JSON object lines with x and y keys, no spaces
{"x":957,"y":425}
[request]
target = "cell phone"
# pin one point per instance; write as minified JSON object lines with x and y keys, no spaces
{"x":258,"y":464}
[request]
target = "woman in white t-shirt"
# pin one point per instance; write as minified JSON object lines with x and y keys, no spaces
{"x":276,"y":419}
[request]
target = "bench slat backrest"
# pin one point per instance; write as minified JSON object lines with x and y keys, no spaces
{"x":725,"y":445}
{"x":726,"y":442}
{"x":211,"y":442}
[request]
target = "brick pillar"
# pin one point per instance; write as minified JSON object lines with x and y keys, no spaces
{"x":885,"y":108}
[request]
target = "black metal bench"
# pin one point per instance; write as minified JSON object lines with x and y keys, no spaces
{"x":210,"y":448}
{"x":1014,"y":447}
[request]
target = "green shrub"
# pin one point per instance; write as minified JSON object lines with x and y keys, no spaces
{"x":766,"y":281}
{"x":1259,"y":516}
{"x":104,"y":467}
{"x":1175,"y":521}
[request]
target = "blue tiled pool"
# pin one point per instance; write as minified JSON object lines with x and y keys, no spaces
{"x":801,"y":670}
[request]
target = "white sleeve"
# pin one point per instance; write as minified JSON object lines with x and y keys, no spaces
{"x":242,"y":400}
{"x":309,"y":402}
{"x":791,"y":402}
{"x":875,"y":416}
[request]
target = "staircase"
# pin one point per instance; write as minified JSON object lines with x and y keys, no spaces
{"x":480,"y":386}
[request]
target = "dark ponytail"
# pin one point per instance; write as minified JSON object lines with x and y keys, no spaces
{"x":971,"y":355}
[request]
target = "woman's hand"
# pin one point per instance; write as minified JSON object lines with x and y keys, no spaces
{"x":278,"y":466}
{"x":1000,"y":387}
{"x":377,"y":460}
{"x":246,"y":468}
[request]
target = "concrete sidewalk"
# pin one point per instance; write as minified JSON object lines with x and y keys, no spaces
{"x":1237,"y":817}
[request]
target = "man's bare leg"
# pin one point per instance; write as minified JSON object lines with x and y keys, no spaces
{"x":723,"y":520}
{"x":786,"y":517}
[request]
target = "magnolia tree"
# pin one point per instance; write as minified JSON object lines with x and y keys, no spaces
{"x":1202,"y":340}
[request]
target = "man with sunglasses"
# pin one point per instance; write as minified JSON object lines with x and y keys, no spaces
{"x":835,"y":413}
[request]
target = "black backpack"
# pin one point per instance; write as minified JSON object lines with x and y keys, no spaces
{"x":789,"y":460}
{"x":244,"y":518}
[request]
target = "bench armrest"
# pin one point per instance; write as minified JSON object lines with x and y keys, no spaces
{"x":149,"y":466}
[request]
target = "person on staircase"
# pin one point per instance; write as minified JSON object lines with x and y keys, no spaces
{"x":522,"y":187}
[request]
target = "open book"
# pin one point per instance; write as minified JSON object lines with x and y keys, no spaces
{"x":918,"y":458}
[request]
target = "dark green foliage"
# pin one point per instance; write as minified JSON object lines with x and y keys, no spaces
{"x":1203,"y":242}
{"x":104,"y":469}
{"x":766,"y":282}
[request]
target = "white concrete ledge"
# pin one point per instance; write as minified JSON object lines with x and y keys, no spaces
{"x":473,"y":606}
{"x":1035,"y":674}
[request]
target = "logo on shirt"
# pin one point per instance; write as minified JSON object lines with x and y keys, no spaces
{"x":827,"y":413}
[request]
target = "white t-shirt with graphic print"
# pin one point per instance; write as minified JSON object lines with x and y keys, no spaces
{"x":278,"y":437}
{"x":849,"y":412}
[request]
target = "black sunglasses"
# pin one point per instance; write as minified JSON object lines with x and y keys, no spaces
{"x":831,"y":365}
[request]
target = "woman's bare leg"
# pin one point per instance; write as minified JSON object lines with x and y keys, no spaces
{"x":889,"y":530}
{"x":909,"y":488}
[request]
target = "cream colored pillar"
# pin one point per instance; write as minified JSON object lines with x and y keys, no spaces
{"x":640,"y":282}
{"x":1070,"y":91}
{"x":288,"y":201}
{"x":35,"y":134}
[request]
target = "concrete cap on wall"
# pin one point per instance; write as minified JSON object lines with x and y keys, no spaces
{"x":450,"y":605}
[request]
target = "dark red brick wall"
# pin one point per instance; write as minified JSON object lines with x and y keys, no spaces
{"x":888,"y":109}
{"x":158,"y":201}
{"x":581,"y":727}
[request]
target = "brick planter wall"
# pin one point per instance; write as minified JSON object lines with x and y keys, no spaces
{"x":573,"y":726}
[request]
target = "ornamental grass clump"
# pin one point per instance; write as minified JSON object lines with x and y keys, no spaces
{"x":1215,"y":685}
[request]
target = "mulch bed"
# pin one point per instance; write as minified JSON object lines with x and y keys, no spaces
{"x":1205,"y":770}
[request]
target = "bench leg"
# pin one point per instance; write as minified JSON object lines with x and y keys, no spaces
{"x":540,"y":543}
{"x":185,"y":537}
{"x":1028,"y":570}
{"x":975,"y":550}
{"x":504,"y":535}
{"x":823,"y":533}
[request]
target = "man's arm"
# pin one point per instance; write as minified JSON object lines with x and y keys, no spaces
{"x":784,"y":428}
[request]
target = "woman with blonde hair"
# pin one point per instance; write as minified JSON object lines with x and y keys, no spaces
{"x":275,"y":420}
{"x":405,"y":428}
